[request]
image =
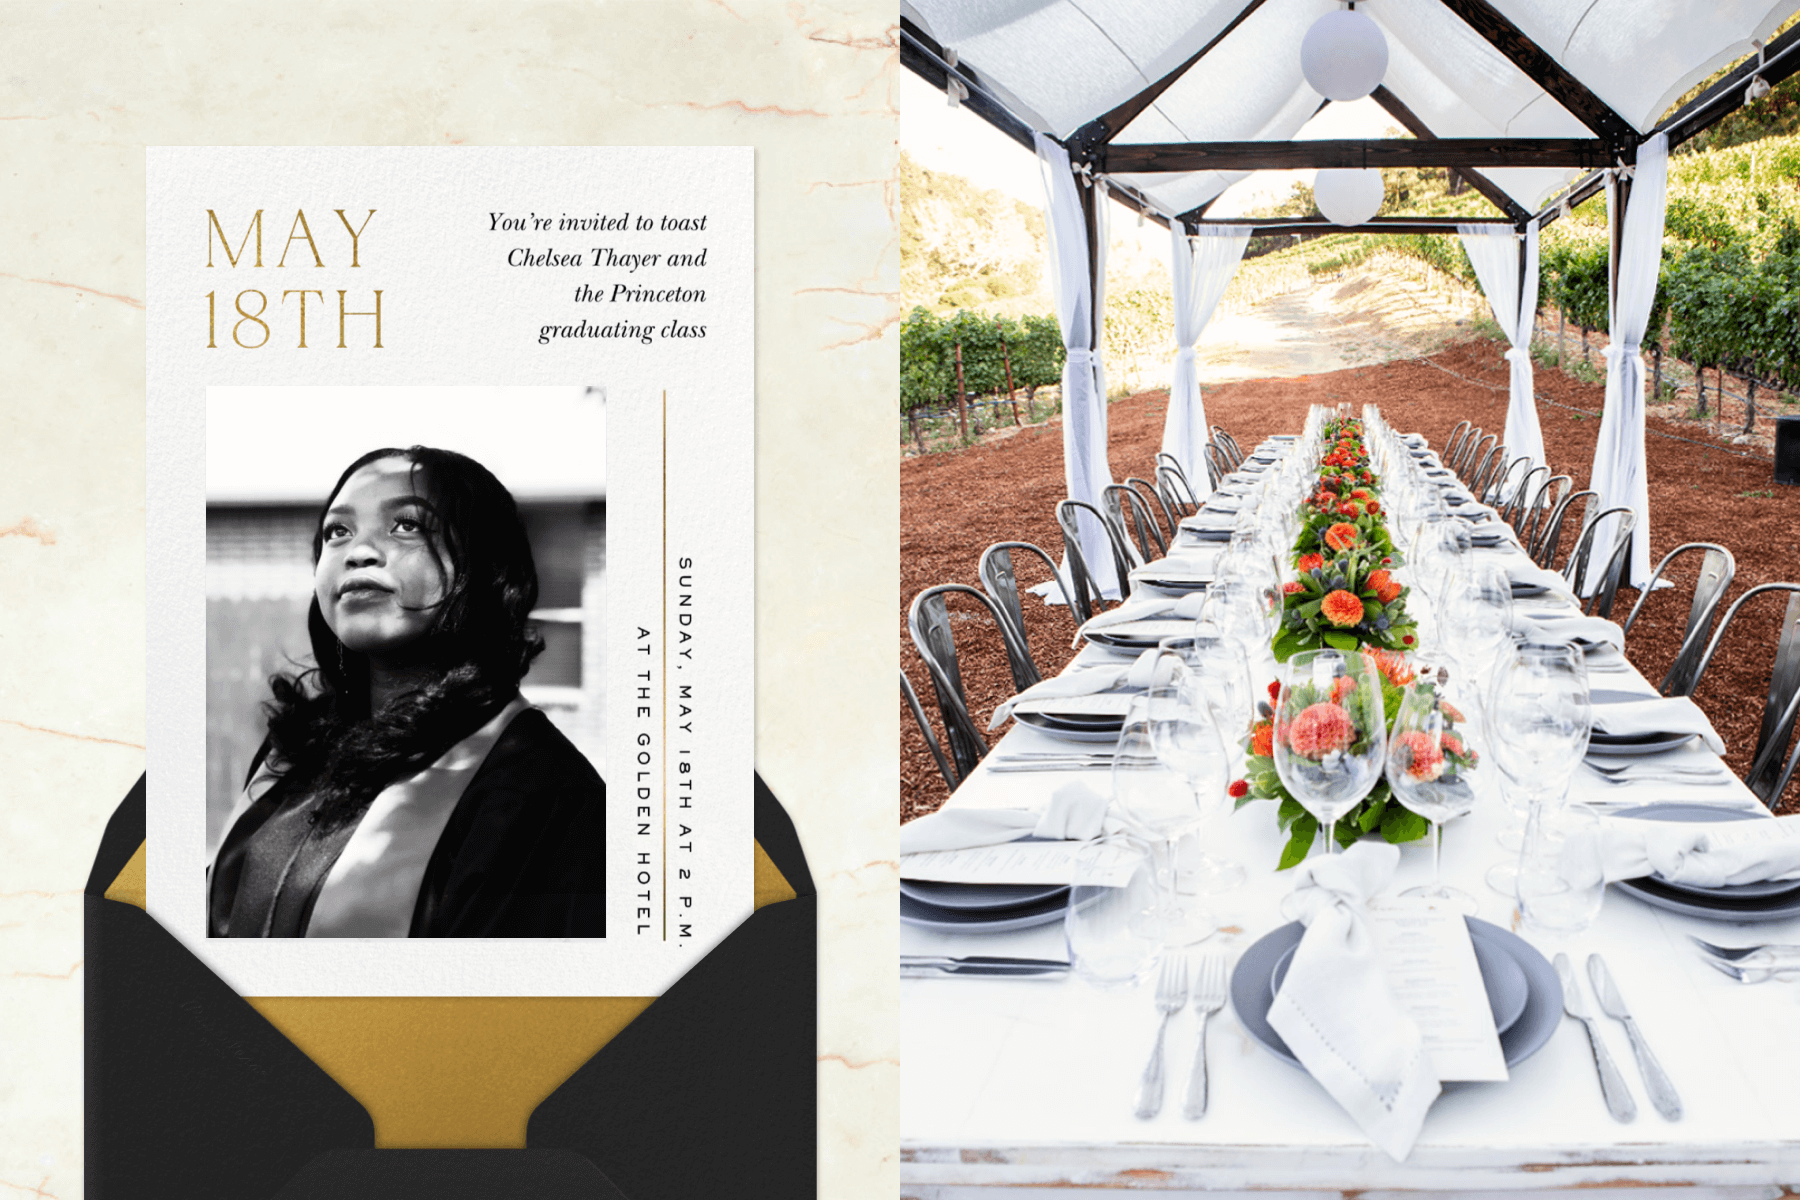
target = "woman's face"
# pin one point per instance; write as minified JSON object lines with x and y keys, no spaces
{"x":378,"y":581}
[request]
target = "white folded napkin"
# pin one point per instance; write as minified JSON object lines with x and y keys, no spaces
{"x":1148,"y":608}
{"x":1524,"y":571}
{"x":1337,"y":1012}
{"x":1076,"y":813}
{"x":1198,"y":564}
{"x":1594,"y":630}
{"x":1671,"y":714}
{"x":1703,"y":855}
{"x":1084,"y":682}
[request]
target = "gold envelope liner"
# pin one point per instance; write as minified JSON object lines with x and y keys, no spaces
{"x":450,"y":1072}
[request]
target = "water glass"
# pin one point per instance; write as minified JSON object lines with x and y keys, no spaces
{"x":1431,"y":764}
{"x":1111,"y":926}
{"x":1562,"y":871}
{"x":1330,"y":733}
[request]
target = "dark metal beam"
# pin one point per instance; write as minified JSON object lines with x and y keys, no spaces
{"x":1409,"y":121}
{"x":1353,"y":154}
{"x":1107,"y":126}
{"x":1781,"y":58}
{"x":921,"y":54}
{"x":1546,"y":72}
{"x":1586,"y":189}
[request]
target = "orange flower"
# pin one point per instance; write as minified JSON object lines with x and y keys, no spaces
{"x":1341,"y":687}
{"x":1342,"y":608}
{"x":1262,"y":739}
{"x":1310,"y":562}
{"x":1321,"y":729}
{"x":1386,"y":590}
{"x":1341,"y":536}
{"x":1349,"y":509}
{"x":1373,"y":508}
{"x":1293,"y":587}
{"x":1451,"y":711}
{"x":1453,"y":745}
{"x":1358,"y":494}
{"x":1421,"y":755}
{"x":1393,"y":666}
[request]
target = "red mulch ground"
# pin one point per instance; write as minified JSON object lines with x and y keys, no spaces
{"x":953,"y":505}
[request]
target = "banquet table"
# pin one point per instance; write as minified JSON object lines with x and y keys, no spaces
{"x":1027,"y":1085}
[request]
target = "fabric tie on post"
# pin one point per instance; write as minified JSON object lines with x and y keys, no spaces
{"x":1076,"y":812}
{"x":1337,"y":1012}
{"x":1702,"y":855}
{"x":1087,"y":682}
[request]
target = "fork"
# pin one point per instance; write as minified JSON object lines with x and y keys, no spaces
{"x":1734,"y":953}
{"x":1673,"y":778}
{"x":1209,"y":998}
{"x":1752,"y":974}
{"x":1171,"y":994}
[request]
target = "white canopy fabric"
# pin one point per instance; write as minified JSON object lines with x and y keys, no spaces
{"x":1495,"y":257}
{"x":1059,"y":64}
{"x":1085,"y":468}
{"x":1202,"y":268}
{"x":1619,"y":474}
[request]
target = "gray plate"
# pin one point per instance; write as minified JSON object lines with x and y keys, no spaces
{"x":1600,"y":746}
{"x":1503,"y":978}
{"x":1251,"y":997}
{"x":1043,"y":724}
{"x":1177,"y":585}
{"x":1613,"y":696}
{"x":980,"y":897}
{"x":958,"y":920}
{"x":1720,"y":903}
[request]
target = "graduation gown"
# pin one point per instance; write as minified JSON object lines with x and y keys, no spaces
{"x":503,"y":836}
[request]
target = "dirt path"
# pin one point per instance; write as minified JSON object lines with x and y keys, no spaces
{"x":955,"y":504}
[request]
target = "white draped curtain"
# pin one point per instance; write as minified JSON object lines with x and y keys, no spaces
{"x":1513,"y":296}
{"x":1619,"y":474}
{"x":1085,"y":468}
{"x":1200,"y":268}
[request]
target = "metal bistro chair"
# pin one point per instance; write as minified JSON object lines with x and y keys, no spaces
{"x":1086,"y":583}
{"x":1001,"y":583}
{"x":1717,"y":568}
{"x":1153,"y":500}
{"x":1177,"y":495}
{"x":931,"y":739}
{"x":1550,"y":539}
{"x":1767,"y":777}
{"x":1120,"y":501}
{"x":1476,"y":456}
{"x":929,"y":623}
{"x":1465,"y":450}
{"x":1229,"y":445}
{"x":1606,"y":582}
{"x":1501,"y":483}
{"x":1512,"y":511}
{"x":1476,"y":479}
{"x":1216,"y":470}
{"x":1554,"y":490}
{"x":1454,"y":442}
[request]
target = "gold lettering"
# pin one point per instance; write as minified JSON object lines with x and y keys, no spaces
{"x":355,"y":235}
{"x":342,"y":314}
{"x":249,"y":316}
{"x":305,"y":235}
{"x":255,"y":225}
{"x":303,"y":295}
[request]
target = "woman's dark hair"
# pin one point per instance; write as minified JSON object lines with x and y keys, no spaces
{"x":322,"y":735}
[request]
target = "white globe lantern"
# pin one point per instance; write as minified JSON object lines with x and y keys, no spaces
{"x":1349,"y":197}
{"x":1343,"y":55}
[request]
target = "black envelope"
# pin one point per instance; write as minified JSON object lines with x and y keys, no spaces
{"x":708,"y":1090}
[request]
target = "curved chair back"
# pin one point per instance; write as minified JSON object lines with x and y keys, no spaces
{"x":1503,"y":483}
{"x":1454,"y":442}
{"x":1476,"y":479}
{"x":931,"y":739}
{"x":1512,"y":510}
{"x":1153,"y":500}
{"x":1216,"y":468}
{"x":1087,"y":584}
{"x":1717,"y":566}
{"x":1550,"y":541}
{"x":929,"y":623}
{"x":1537,"y":513}
{"x":1127,"y":512}
{"x":1465,"y":458}
{"x":1001,"y":583}
{"x":1580,"y":569}
{"x":1176,"y":494}
{"x":1766,"y":777}
{"x":1228,"y":445}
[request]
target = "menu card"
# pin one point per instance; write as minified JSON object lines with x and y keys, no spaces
{"x":1021,"y":862}
{"x":1431,"y":965}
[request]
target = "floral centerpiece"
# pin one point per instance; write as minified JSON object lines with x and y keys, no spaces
{"x":1343,"y":596}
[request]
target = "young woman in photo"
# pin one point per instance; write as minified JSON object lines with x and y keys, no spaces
{"x":405,"y":788}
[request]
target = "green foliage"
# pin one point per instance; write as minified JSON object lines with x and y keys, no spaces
{"x":963,"y":246}
{"x":928,"y":355}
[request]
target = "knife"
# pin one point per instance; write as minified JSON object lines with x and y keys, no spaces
{"x":1612,"y":1085}
{"x":924,"y":966}
{"x":1656,"y":1080}
{"x":1052,"y":764}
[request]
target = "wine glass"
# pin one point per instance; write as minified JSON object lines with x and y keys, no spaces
{"x":1154,"y":796}
{"x":1430,"y":762}
{"x":1217,"y":681}
{"x":1476,"y":619}
{"x":1330,"y":733}
{"x":1538,"y":719}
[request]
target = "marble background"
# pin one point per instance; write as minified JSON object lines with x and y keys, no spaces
{"x":85,"y":87}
